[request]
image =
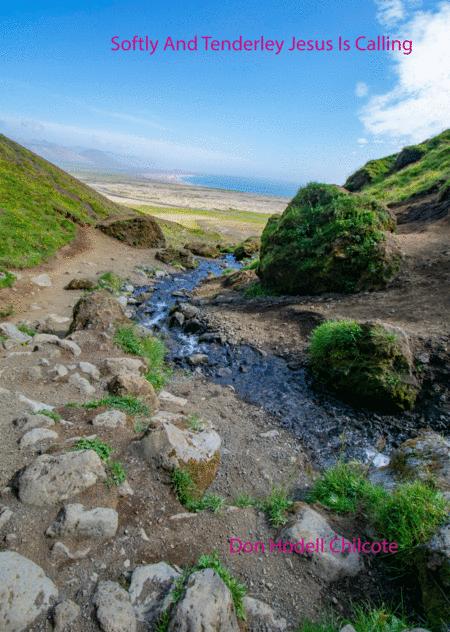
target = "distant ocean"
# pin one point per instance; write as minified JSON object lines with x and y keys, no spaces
{"x":259,"y":186}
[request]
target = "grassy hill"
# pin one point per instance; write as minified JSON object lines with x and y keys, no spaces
{"x":415,"y":170}
{"x":40,"y":206}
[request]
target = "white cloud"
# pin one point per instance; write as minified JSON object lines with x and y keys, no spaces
{"x":419,"y":104}
{"x":362,"y":141}
{"x":390,"y":12}
{"x":160,"y":152}
{"x":361,"y":89}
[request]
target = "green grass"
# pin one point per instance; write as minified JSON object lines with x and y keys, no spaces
{"x":255,"y":290}
{"x":49,"y":413}
{"x":409,"y":515}
{"x":195,"y":423}
{"x":41,"y":206}
{"x":29,"y":331}
{"x":127,"y":403}
{"x":151,"y":348}
{"x":110,"y":282}
{"x":365,"y":619}
{"x":276,"y":505}
{"x":177,"y":214}
{"x":6,"y":312}
{"x":117,"y":474}
{"x":101,"y":448}
{"x":187,"y":493}
{"x":7,"y":279}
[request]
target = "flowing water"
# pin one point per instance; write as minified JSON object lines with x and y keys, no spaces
{"x":328,"y":429}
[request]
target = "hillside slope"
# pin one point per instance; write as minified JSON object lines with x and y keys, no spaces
{"x":40,"y":206}
{"x":416,"y":170}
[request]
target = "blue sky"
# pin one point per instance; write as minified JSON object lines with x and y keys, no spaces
{"x":296,"y":116}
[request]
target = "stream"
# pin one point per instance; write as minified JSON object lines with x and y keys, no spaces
{"x":327,"y":428}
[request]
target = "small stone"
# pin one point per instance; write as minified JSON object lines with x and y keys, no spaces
{"x":38,"y":436}
{"x":124,"y":489}
{"x":150,"y":589}
{"x":64,"y":614}
{"x":110,"y":419}
{"x":71,"y":346}
{"x":261,"y":617}
{"x":197,"y":359}
{"x":114,"y":610}
{"x":75,"y":520}
{"x":82,"y":384}
{"x":5,"y":515}
{"x":59,"y":372}
{"x":90,"y":369}
{"x":61,"y":552}
{"x":42,"y":280}
{"x":28,"y":422}
{"x":171,"y":402}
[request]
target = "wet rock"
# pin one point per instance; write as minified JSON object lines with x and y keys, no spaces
{"x":309,"y":525}
{"x":110,"y":419}
{"x":114,"y":610}
{"x":427,"y":457}
{"x":177,"y":319}
{"x":64,"y":614}
{"x":189,"y":311}
{"x":197,"y":359}
{"x":54,"y":478}
{"x":114,"y":366}
{"x":37,"y":437}
{"x":81,"y":284}
{"x":42,"y":280}
{"x":75,"y":520}
{"x":261,"y":617}
{"x":194,"y":326}
{"x":150,"y":590}
{"x":207,"y":605}
{"x":172,"y":445}
{"x":89,"y":369}
{"x":99,"y":311}
{"x":140,"y":231}
{"x":25,"y":592}
{"x":81,"y":384}
{"x":177,"y":257}
{"x":13,"y":333}
{"x":247,"y":248}
{"x":136,"y":385}
{"x":29,"y":422}
{"x":5,"y":515}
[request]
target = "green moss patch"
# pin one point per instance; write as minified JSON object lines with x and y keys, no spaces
{"x":328,"y":241}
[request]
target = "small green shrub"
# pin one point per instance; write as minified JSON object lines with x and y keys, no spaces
{"x":365,"y":619}
{"x":7,"y":279}
{"x":127,"y":403}
{"x":29,"y":331}
{"x":117,"y":474}
{"x":110,"y":282}
{"x":53,"y":414}
{"x":276,"y":505}
{"x":195,"y":423}
{"x":103,"y":450}
{"x":251,"y":265}
{"x":187,"y":493}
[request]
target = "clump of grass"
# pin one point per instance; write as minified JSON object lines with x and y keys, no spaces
{"x":110,"y":282}
{"x":162,"y":625}
{"x":327,"y":625}
{"x":126,"y":403}
{"x":116,"y":471}
{"x":245,"y":500}
{"x":195,"y":423}
{"x":251,"y":265}
{"x":365,"y":619}
{"x":53,"y":414}
{"x":151,"y":348}
{"x":25,"y":329}
{"x":409,"y":515}
{"x":7,"y":279}
{"x":276,"y":505}
{"x":187,"y":493}
{"x":227,"y":271}
{"x":6,"y":312}
{"x":237,"y":590}
{"x":256,"y":290}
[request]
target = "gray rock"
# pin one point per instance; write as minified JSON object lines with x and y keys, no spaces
{"x":42,"y":280}
{"x":424,"y":457}
{"x":110,"y":419}
{"x":5,"y":515}
{"x":348,"y":628}
{"x":150,"y":590}
{"x":114,"y":610}
{"x":50,"y":339}
{"x":64,"y":614}
{"x":188,"y":310}
{"x":124,"y":489}
{"x":38,"y":436}
{"x":75,"y":520}
{"x":114,"y":366}
{"x":261,"y":617}
{"x":207,"y":605}
{"x":172,"y":403}
{"x":13,"y":333}
{"x":308,"y":525}
{"x":196,"y":359}
{"x":28,"y":422}
{"x":54,"y":478}
{"x":60,"y":552}
{"x":25,"y":592}
{"x":135,"y":385}
{"x":90,"y":369}
{"x":32,"y":404}
{"x":58,"y":372}
{"x":81,"y":384}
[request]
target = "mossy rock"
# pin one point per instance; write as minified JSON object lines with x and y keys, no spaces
{"x":372,"y":171}
{"x":179,"y":257}
{"x":136,"y":231}
{"x":247,"y":248}
{"x":408,"y":156}
{"x":366,"y":364}
{"x":328,"y":241}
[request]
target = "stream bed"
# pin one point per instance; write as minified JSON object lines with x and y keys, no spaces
{"x":327,"y":428}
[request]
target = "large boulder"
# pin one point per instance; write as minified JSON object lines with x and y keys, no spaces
{"x":368,"y":364}
{"x":177,"y":257}
{"x":150,"y":591}
{"x":328,"y":241}
{"x":98,"y":310}
{"x":141,"y":231}
{"x":308,"y":525}
{"x":248,"y":248}
{"x":25,"y":592}
{"x":51,"y":479}
{"x":172,"y":445}
{"x":207,"y":605}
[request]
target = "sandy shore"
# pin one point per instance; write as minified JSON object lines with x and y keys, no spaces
{"x":132,"y":191}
